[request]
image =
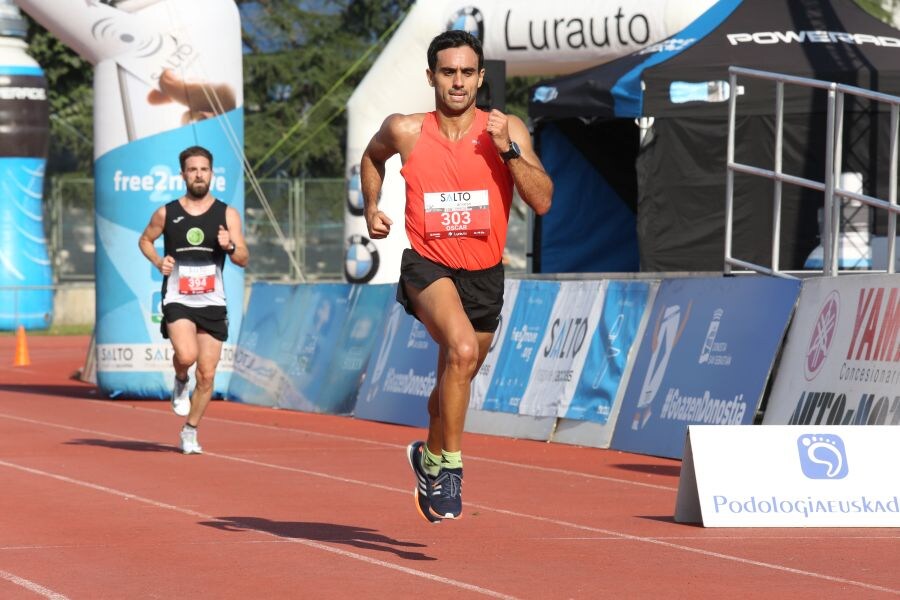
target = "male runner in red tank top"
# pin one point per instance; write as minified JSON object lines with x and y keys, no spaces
{"x":459,"y":164}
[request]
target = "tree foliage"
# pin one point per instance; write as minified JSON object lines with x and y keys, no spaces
{"x":302,"y":67}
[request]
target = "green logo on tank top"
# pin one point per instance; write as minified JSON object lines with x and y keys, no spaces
{"x":195,"y":236}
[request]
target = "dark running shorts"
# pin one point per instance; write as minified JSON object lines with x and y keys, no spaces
{"x":211,"y":319}
{"x":481,"y":291}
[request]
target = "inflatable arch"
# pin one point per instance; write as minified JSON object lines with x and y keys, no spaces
{"x":142,"y":121}
{"x":533,"y":37}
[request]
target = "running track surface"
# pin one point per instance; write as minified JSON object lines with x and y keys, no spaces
{"x":97,"y":502}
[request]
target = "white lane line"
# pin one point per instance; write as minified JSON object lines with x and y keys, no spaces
{"x":309,"y":543}
{"x":346,"y":438}
{"x":31,"y":586}
{"x":605,"y":532}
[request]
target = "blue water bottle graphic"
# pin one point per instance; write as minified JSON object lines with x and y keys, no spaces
{"x":25,"y":275}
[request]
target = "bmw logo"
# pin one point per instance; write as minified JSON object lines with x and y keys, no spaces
{"x":355,"y":203}
{"x":468,"y":19}
{"x":361,"y":259}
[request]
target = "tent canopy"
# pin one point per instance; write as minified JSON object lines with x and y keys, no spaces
{"x":828,"y":40}
{"x":679,"y":167}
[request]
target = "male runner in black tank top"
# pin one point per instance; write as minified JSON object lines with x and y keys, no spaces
{"x":198,"y":232}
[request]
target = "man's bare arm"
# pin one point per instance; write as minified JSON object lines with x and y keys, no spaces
{"x":153,"y":230}
{"x":531,"y":180}
{"x":381,"y":147}
{"x":529,"y":177}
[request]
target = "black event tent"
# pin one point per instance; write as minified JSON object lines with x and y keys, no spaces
{"x":657,"y":203}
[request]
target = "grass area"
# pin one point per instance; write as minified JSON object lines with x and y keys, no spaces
{"x":57,"y":330}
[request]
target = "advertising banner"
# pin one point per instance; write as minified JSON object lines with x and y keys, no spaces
{"x":318,"y":313}
{"x":610,"y":346}
{"x":482,"y":381}
{"x":26,"y":277}
{"x":401,"y":373}
{"x":705,"y":358}
{"x":367,"y":310}
{"x":840,"y":362}
{"x":575,"y":314}
{"x":258,"y":378}
{"x":780,"y":476}
{"x":167,"y":75}
{"x":524,"y":332}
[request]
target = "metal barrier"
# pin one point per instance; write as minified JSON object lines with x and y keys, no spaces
{"x":833,"y":192}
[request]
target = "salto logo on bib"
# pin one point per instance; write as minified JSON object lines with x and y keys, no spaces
{"x":822,"y":456}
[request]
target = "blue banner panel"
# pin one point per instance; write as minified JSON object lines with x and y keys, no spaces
{"x":611,"y":343}
{"x":367,"y":310}
{"x":319,"y":314}
{"x":704,"y":358}
{"x":401,"y":374}
{"x":257,"y":376}
{"x":26,"y":297}
{"x":523,"y":335}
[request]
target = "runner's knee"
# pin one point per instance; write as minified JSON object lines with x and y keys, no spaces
{"x":205,"y":377}
{"x":462,"y":356}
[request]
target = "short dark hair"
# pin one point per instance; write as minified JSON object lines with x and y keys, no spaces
{"x":455,"y":38}
{"x":194,"y":151}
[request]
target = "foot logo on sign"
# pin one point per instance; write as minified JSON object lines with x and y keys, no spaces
{"x":822,"y":456}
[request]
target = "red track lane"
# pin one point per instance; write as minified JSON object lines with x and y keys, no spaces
{"x":98,"y":503}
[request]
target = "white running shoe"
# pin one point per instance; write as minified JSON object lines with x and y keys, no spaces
{"x":181,"y":397}
{"x":189,"y":444}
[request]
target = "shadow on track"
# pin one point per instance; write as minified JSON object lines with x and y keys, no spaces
{"x":358,"y":537}
{"x":132,"y":445}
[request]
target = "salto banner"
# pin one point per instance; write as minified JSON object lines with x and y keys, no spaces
{"x":167,"y":75}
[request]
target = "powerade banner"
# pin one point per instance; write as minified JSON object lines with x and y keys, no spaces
{"x":524,"y":332}
{"x":167,"y":75}
{"x":24,"y":263}
{"x":482,"y":381}
{"x":257,"y":377}
{"x":576,"y":312}
{"x":610,"y":347}
{"x":26,"y":298}
{"x":705,"y":357}
{"x":840,"y":362}
{"x":401,"y":373}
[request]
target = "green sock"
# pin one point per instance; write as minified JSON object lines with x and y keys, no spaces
{"x":451,"y":460}
{"x":431,"y":462}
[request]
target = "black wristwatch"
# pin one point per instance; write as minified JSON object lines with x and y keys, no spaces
{"x":231,"y":248}
{"x":513,"y":152}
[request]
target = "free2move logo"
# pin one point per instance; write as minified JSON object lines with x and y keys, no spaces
{"x":822,"y":456}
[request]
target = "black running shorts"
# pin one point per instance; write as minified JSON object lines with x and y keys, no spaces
{"x":211,"y":319}
{"x":481,"y":291}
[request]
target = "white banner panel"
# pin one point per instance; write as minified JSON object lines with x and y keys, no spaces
{"x":789,"y":476}
{"x":560,"y":359}
{"x":840,"y":363}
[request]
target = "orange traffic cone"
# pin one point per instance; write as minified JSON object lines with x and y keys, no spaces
{"x":21,"y":359}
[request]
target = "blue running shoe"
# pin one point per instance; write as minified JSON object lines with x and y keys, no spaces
{"x":446,"y":494}
{"x":423,"y":481}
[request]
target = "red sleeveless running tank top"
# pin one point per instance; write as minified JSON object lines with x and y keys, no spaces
{"x":440,"y":173}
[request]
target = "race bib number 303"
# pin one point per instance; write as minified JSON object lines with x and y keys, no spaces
{"x":196,"y":280}
{"x":457,"y":214}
